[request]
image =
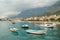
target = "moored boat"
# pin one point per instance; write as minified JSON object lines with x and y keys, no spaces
{"x":36,"y":31}
{"x":13,"y":22}
{"x":13,"y":29}
{"x":48,"y":25}
{"x":25,"y":26}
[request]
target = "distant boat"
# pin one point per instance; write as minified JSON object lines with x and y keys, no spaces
{"x":36,"y":31}
{"x":48,"y":25}
{"x":13,"y":29}
{"x":13,"y":22}
{"x":25,"y":26}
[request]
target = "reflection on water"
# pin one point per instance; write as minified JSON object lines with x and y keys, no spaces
{"x":25,"y":28}
{"x":15,"y":33}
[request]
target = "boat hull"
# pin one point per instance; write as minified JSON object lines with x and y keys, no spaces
{"x":35,"y":31}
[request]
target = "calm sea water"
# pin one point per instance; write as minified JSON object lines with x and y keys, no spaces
{"x":6,"y":34}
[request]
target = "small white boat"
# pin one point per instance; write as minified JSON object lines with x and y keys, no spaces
{"x":36,"y":31}
{"x":13,"y":29}
{"x":25,"y":26}
{"x":48,"y":25}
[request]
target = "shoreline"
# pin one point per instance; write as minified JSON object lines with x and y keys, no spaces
{"x":55,"y":22}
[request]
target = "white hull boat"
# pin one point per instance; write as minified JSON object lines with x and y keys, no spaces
{"x":25,"y":26}
{"x":36,"y":31}
{"x":13,"y":29}
{"x":48,"y":25}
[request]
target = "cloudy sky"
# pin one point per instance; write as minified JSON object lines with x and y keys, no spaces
{"x":14,"y":7}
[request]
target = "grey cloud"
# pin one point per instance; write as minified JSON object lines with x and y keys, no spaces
{"x":9,"y":7}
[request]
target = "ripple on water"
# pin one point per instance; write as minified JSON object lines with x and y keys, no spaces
{"x":6,"y":34}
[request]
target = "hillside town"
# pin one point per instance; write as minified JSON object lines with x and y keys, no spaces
{"x":52,"y":17}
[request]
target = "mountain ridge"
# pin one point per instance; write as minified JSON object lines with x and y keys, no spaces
{"x":40,"y":11}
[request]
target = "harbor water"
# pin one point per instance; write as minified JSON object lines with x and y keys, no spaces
{"x":21,"y":34}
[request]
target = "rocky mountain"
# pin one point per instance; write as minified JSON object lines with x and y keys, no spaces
{"x":40,"y":11}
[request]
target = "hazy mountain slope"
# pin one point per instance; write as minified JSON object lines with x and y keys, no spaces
{"x":40,"y":11}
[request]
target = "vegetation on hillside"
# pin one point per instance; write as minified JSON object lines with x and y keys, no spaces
{"x":57,"y":13}
{"x":58,"y":20}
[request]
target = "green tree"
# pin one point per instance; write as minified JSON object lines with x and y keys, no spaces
{"x":52,"y":19}
{"x":58,"y":19}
